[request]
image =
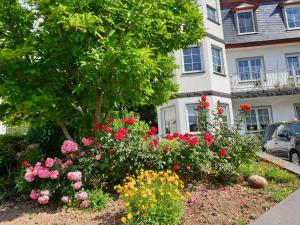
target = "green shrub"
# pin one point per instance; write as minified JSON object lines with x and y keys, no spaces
{"x":32,"y":154}
{"x":98,"y":199}
{"x":281,"y":194}
{"x":152,"y":198}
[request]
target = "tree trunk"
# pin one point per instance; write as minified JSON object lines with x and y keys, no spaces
{"x":99,"y":96}
{"x":64,"y":129}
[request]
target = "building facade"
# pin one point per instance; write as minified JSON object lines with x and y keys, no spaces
{"x":251,"y":54}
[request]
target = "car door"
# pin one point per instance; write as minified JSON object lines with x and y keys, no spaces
{"x":268,"y":138}
{"x":282,"y":144}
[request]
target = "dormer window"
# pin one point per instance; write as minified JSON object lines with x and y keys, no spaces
{"x":292,"y":15}
{"x":245,"y":22}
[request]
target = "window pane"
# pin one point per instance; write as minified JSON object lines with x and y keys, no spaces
{"x":192,"y":117}
{"x":169,"y":117}
{"x":245,"y":22}
{"x":244,"y":69}
{"x":294,"y":65}
{"x":226,"y":116}
{"x":211,"y":14}
{"x":297,"y":108}
{"x":256,"y":68}
{"x":251,"y":120}
{"x":293,"y":17}
{"x":217,"y":60}
{"x":192,"y":59}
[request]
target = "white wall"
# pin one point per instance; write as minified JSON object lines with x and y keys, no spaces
{"x":274,"y":56}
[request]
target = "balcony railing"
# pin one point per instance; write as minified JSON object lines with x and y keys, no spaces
{"x":265,"y":80}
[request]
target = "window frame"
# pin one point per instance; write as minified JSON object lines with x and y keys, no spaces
{"x":286,"y":17}
{"x":163,"y":118}
{"x":287,"y":63}
{"x":215,"y":14}
{"x":221,"y":58}
{"x":227,"y":109}
{"x":250,"y":69}
{"x":187,"y":117}
{"x":259,"y":128}
{"x":238,"y":24}
{"x":295,"y":109}
{"x":201,"y":61}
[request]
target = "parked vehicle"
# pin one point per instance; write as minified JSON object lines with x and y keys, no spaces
{"x":283,"y":140}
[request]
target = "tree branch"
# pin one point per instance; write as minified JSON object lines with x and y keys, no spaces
{"x":64,"y":129}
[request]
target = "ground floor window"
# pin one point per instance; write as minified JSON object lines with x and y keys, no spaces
{"x":258,"y":118}
{"x":297,"y":111}
{"x":169,"y":120}
{"x":226,"y":115}
{"x":192,"y":117}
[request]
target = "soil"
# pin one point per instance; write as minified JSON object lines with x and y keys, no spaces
{"x":207,"y":204}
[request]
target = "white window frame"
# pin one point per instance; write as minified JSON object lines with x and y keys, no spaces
{"x":238,"y":23}
{"x":187,"y":117}
{"x":250,"y":69}
{"x":269,"y":108}
{"x":201,"y":61}
{"x":226,"y":108}
{"x":215,"y":13}
{"x":221,"y":58}
{"x":286,"y":18}
{"x":287,"y":63}
{"x":163,"y":118}
{"x":295,"y":107}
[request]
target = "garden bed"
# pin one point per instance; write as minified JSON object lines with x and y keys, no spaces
{"x":206,"y":203}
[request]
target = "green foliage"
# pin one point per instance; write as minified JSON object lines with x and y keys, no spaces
{"x":269,"y":171}
{"x":32,"y":154}
{"x":85,"y":57}
{"x":98,"y":199}
{"x":152,"y":198}
{"x":281,"y":194}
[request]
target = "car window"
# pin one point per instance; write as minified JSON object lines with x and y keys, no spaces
{"x":295,"y":128}
{"x":282,"y":129}
{"x":269,"y":131}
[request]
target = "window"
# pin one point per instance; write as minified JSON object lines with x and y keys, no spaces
{"x":245,"y":22}
{"x":258,"y":118}
{"x":293,"y":63}
{"x":212,"y":14}
{"x":249,"y":69}
{"x":269,"y":132}
{"x":169,"y":120}
{"x":192,"y":117}
{"x":192,"y":59}
{"x":226,"y":115}
{"x":297,"y":111}
{"x":217,"y":59}
{"x":293,"y":17}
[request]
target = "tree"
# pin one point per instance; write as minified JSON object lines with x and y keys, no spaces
{"x":84,"y":58}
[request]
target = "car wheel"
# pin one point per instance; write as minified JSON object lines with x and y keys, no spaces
{"x":295,"y":158}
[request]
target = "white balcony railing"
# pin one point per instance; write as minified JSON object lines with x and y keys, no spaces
{"x":265,"y":80}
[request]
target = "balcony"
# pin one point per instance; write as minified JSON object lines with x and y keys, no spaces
{"x":265,"y":80}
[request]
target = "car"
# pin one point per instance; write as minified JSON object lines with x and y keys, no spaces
{"x":283,"y":140}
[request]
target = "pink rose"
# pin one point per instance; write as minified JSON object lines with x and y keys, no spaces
{"x":82,"y":196}
{"x":77,"y":185}
{"x":44,"y":192}
{"x":69,"y":146}
{"x":74,"y":176}
{"x":86,"y":142}
{"x":98,"y":146}
{"x":49,"y":162}
{"x":65,"y":199}
{"x":34,"y":195}
{"x":69,"y":162}
{"x":43,"y":173}
{"x":98,"y":157}
{"x":54,"y":174}
{"x":43,"y":200}
{"x":84,"y":204}
{"x":29,"y":177}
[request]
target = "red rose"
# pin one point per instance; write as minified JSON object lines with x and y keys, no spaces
{"x":175,"y":167}
{"x":147,"y":136}
{"x":223,"y":152}
{"x":24,"y":163}
{"x":153,"y":130}
{"x":91,"y":138}
{"x":96,"y":126}
{"x":119,"y":136}
{"x":166,"y":148}
{"x":169,"y":137}
{"x":123,"y":131}
{"x":98,"y":146}
{"x":130,"y":120}
{"x":203,"y":98}
{"x":208,"y":138}
{"x":183,"y":137}
{"x":124,"y":120}
{"x":110,"y":121}
{"x":221,"y":110}
{"x":205,"y":105}
{"x":153,"y":143}
{"x":110,"y":152}
{"x":188,"y":168}
{"x":175,"y":135}
{"x":245,"y":107}
{"x":106,"y":128}
{"x":192,"y":141}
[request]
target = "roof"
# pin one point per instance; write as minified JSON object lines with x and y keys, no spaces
{"x":270,"y":24}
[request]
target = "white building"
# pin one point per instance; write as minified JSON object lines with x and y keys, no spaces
{"x":251,"y":54}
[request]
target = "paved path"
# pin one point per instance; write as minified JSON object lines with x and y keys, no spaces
{"x":286,"y":212}
{"x":282,"y":163}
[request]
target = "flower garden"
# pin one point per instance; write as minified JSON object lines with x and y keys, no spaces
{"x":169,"y":180}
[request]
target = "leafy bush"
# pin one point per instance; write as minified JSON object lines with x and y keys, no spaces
{"x":98,"y":199}
{"x":281,"y":194}
{"x":152,"y":198}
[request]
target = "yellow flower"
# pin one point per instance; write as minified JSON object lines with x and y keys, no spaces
{"x":129,"y":216}
{"x":188,"y":193}
{"x":123,"y":220}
